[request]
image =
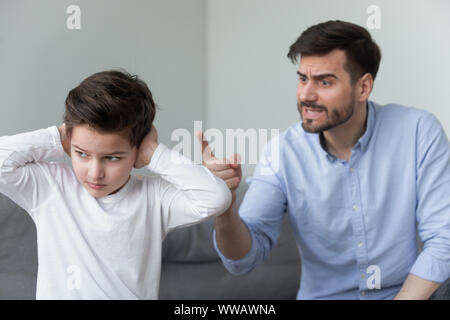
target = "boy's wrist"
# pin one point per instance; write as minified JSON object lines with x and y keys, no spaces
{"x":65,"y":142}
{"x":151,"y":150}
{"x":147,"y":148}
{"x":145,"y":154}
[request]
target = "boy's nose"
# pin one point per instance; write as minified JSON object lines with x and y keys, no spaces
{"x":96,"y":172}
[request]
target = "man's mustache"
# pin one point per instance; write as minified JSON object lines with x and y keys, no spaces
{"x":311,"y":106}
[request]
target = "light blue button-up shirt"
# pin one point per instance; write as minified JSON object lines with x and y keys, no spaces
{"x":355,"y":221}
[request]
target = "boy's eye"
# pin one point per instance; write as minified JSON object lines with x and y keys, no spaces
{"x":113,"y":158}
{"x":81,"y":154}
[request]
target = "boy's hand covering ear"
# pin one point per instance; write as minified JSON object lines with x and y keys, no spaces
{"x":147,"y":148}
{"x":65,"y":141}
{"x":228,"y":170}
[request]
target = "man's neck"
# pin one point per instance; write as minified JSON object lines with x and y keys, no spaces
{"x":339,"y":141}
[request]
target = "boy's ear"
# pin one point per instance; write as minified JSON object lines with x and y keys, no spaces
{"x":135,"y":150}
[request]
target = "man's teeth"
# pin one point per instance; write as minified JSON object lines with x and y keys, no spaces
{"x":311,"y":111}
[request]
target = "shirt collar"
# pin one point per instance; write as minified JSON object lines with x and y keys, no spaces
{"x":363,"y":141}
{"x":120,"y":194}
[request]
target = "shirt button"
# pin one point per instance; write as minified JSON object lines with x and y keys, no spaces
{"x":363,"y":293}
{"x":355,"y":207}
{"x":351,"y":169}
{"x":363,"y":276}
{"x":360,"y":244}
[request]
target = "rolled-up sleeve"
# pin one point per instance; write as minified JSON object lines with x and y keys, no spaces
{"x":433,"y":201}
{"x":243,"y":265}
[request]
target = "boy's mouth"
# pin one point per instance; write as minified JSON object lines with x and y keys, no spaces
{"x":96,"y":186}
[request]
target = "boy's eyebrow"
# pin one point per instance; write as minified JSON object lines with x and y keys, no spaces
{"x":118,"y":152}
{"x":319,"y":76}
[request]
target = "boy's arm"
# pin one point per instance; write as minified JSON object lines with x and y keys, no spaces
{"x":192,"y":192}
{"x":23,"y":175}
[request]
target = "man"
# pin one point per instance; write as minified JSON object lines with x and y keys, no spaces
{"x":354,"y":178}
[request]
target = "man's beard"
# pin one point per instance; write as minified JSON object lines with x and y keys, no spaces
{"x":337,"y":117}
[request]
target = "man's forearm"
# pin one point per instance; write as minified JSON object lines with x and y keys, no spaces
{"x":416,"y":288}
{"x":232,"y":236}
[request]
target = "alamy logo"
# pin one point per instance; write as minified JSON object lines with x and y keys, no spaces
{"x":74,"y":20}
{"x":73,"y":278}
{"x":374,"y":20}
{"x":374,"y":280}
{"x":249,"y":144}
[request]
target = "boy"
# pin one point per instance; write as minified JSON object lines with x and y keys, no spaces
{"x":100,"y":229}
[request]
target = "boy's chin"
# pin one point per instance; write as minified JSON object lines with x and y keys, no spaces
{"x":104,"y":191}
{"x":97,"y":193}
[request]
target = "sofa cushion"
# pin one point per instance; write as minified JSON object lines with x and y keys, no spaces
{"x":198,"y":273}
{"x":192,"y":268}
{"x":18,"y":252}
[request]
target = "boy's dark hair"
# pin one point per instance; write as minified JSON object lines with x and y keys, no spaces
{"x":112,"y":101}
{"x":363,"y":54}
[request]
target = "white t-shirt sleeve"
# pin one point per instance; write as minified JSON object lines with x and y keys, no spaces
{"x":24,"y":177}
{"x":189,"y":192}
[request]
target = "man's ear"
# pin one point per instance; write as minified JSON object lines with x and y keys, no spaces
{"x":364,"y":87}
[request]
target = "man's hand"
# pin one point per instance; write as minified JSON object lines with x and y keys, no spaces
{"x":147,"y":148}
{"x":233,"y":238}
{"x":65,"y":141}
{"x":229,"y":170}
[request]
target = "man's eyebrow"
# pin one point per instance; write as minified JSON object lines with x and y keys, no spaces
{"x":319,"y":76}
{"x":118,"y":152}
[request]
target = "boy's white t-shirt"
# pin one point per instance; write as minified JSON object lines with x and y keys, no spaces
{"x":106,"y":248}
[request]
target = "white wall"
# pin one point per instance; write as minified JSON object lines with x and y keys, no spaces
{"x":251,"y":83}
{"x":41,"y":59}
{"x":223,"y":62}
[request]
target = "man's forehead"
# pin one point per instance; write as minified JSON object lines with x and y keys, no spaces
{"x":332,"y":62}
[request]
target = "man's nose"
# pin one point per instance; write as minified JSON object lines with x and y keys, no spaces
{"x":307,"y":92}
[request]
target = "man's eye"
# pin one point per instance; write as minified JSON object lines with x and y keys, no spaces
{"x":302,"y":79}
{"x":325,"y":83}
{"x":81,"y":154}
{"x":113,"y":158}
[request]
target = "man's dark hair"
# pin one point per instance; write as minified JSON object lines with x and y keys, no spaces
{"x":112,"y":101}
{"x":363,"y":54}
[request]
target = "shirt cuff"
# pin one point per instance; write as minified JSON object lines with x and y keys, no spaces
{"x":429,"y":268}
{"x":240,"y":266}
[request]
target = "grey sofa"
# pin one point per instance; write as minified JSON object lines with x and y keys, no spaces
{"x":191,"y":268}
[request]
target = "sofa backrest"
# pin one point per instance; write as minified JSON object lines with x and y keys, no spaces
{"x":18,"y":252}
{"x":192,"y":268}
